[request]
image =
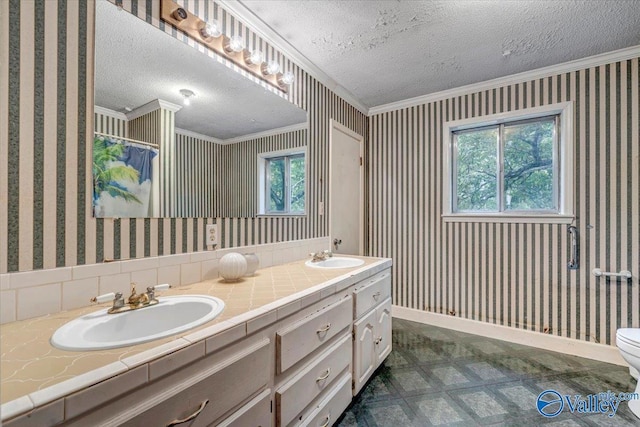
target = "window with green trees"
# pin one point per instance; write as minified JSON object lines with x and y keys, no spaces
{"x":285,"y":184}
{"x":506,"y":167}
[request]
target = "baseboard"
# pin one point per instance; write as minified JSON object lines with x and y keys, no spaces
{"x":600,"y":352}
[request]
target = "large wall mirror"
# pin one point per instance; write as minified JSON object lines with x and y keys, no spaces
{"x":178,"y":134}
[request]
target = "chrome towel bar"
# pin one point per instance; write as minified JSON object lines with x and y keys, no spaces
{"x":624,"y":273}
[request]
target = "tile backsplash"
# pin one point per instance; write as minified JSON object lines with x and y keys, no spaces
{"x":40,"y":292}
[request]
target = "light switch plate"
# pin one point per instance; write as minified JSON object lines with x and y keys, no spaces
{"x":211,"y":234}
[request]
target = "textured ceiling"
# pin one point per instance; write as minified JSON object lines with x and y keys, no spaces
{"x":386,"y":51}
{"x":137,"y":63}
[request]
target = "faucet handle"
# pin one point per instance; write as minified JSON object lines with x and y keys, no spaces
{"x":151,"y":290}
{"x":103,"y":298}
{"x":156,"y":288}
{"x":106,"y":297}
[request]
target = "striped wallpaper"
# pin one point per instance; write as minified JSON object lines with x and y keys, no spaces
{"x":197,"y":177}
{"x":46,"y":69}
{"x":515,"y":274}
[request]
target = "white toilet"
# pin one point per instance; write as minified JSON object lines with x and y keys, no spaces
{"x":628,"y":341}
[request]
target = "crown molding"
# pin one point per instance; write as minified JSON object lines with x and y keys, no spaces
{"x":107,"y":112}
{"x":198,"y":136}
{"x":154,"y":105}
{"x":565,"y":67}
{"x":270,"y":132}
{"x":272,"y":37}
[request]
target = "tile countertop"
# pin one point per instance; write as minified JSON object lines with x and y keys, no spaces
{"x":34,"y":372}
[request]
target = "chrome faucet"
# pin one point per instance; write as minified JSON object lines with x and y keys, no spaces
{"x":134,"y":301}
{"x":320,"y":256}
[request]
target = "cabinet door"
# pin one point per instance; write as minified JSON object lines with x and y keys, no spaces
{"x":364,"y":356}
{"x":382,"y":331}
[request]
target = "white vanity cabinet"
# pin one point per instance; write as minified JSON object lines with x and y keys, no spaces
{"x":372,"y":327}
{"x":300,"y":367}
{"x":344,"y":353}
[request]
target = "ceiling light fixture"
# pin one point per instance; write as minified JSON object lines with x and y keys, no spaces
{"x":186,"y":95}
{"x":232,"y":48}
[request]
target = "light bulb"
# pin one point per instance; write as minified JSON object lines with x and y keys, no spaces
{"x":272,"y":67}
{"x":256,"y":57}
{"x":211,"y":29}
{"x":236,"y":44}
{"x":186,"y":95}
{"x":287,"y":78}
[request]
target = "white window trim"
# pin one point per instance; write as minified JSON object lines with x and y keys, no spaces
{"x":262,"y":183}
{"x":565,"y":213}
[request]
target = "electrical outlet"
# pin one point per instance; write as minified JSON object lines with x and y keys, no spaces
{"x":212,"y":234}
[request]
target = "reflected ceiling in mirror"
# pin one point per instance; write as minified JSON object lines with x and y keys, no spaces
{"x":137,"y":63}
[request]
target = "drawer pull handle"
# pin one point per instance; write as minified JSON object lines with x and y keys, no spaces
{"x":377,"y":340}
{"x":190,"y":417}
{"x":376,"y":295}
{"x":327,"y":420}
{"x":324,"y":328}
{"x":324,"y":376}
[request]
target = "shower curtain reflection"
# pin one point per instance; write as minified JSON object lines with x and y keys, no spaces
{"x":122,"y":178}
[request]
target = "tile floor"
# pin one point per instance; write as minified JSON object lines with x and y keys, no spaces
{"x":438,"y":377}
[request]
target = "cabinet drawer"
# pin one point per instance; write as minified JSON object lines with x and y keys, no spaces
{"x":298,"y":392}
{"x":372,"y":292}
{"x":332,"y":405}
{"x":256,"y":413}
{"x":306,"y":335}
{"x":225,"y":385}
{"x":226,"y":380}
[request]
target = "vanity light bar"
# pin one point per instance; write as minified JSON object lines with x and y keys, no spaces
{"x":231,"y":48}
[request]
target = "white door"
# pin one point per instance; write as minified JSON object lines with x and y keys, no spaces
{"x":346,"y":208}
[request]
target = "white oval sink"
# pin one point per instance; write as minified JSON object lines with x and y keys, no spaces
{"x":172,"y":315}
{"x":336,"y":262}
